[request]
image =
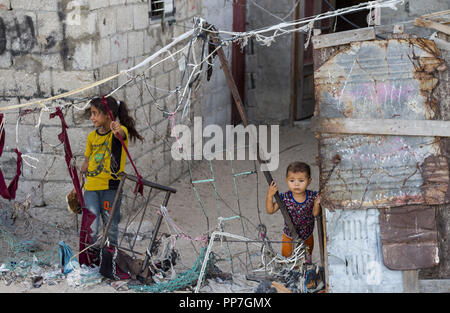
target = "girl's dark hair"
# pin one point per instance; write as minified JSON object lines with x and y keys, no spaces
{"x":119,"y":110}
{"x":296,"y":167}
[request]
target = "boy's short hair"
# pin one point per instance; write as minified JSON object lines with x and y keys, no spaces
{"x":296,"y":167}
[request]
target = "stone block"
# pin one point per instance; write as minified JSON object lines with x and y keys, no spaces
{"x":101,"y":53}
{"x":148,"y":134}
{"x":5,"y":4}
{"x":141,"y":117}
{"x":55,"y":194}
{"x":52,"y":61}
{"x":41,"y":5}
{"x":149,"y":43}
{"x":163,"y":129}
{"x":133,"y":1}
{"x":63,"y":81}
{"x":48,"y":24}
{"x":140,"y":16}
{"x":17,"y":83}
{"x":77,"y":137}
{"x":8,"y":164}
{"x":33,"y":190}
{"x":108,"y":71}
{"x":10,"y":116}
{"x":175,"y":79}
{"x":6,"y":60}
{"x":133,"y":95}
{"x":50,"y":141}
{"x":143,"y":165}
{"x":161,"y":84}
{"x":28,"y":139}
{"x":117,"y":2}
{"x":98,"y":4}
{"x":119,"y":47}
{"x":49,"y":167}
{"x":86,"y":27}
{"x":155,"y":116}
{"x":124,"y":65}
{"x":81,"y":118}
{"x":82,"y":58}
{"x":142,"y":69}
{"x":106,"y":22}
{"x":8,"y":83}
{"x":135,"y":43}
{"x":124,"y":18}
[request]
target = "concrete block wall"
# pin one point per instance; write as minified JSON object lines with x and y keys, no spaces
{"x":50,"y":47}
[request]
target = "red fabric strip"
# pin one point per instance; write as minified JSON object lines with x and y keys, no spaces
{"x":85,"y":257}
{"x":64,"y":138}
{"x":9,"y":192}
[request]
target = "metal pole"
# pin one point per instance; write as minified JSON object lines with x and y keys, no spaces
{"x":155,"y":232}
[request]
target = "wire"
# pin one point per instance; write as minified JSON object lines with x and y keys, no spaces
{"x":347,"y":20}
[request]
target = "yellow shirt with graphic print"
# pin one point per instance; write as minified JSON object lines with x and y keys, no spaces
{"x":106,"y":160}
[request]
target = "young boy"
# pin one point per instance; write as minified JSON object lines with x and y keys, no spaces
{"x":302,"y":205}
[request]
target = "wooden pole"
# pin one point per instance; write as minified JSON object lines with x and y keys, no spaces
{"x":238,"y":57}
{"x":240,"y":107}
{"x":294,"y":69}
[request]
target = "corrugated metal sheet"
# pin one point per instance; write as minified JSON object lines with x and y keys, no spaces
{"x":380,"y":80}
{"x":354,"y":252}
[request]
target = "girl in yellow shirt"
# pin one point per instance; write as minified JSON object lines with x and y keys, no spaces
{"x":105,"y":160}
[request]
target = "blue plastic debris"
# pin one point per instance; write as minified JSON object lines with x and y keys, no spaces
{"x":66,"y":260}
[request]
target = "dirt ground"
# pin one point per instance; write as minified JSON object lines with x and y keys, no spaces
{"x":184,"y":207}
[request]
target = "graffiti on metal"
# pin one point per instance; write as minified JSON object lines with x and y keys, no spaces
{"x":381,"y":80}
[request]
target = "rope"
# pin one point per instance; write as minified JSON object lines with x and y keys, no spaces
{"x":163,"y":211}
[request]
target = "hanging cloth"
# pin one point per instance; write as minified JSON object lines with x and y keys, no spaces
{"x":64,"y":138}
{"x":139,"y":185}
{"x":9,"y":192}
{"x":85,"y":257}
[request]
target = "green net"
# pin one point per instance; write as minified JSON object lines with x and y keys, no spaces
{"x":182,"y":280}
{"x":23,"y":253}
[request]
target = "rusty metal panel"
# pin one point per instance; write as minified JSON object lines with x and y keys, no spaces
{"x":380,"y":80}
{"x":409,"y":237}
{"x":354,"y":254}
